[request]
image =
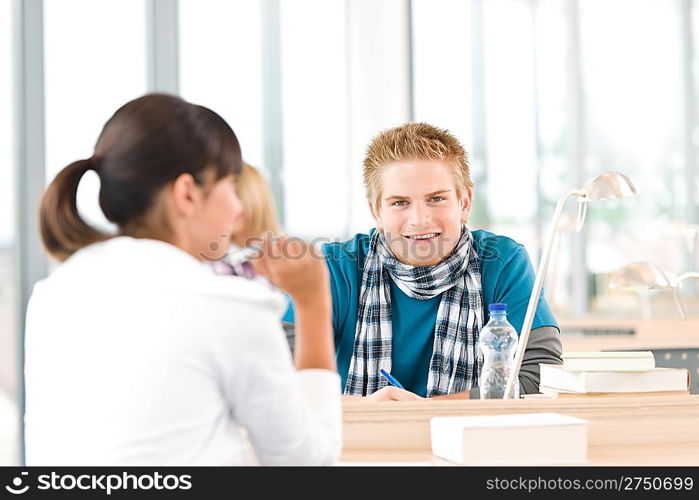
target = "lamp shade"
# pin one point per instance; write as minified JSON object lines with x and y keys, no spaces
{"x":643,"y":276}
{"x":609,"y":186}
{"x":639,"y":277}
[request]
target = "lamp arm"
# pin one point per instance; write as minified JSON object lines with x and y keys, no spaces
{"x":676,"y":290}
{"x":678,"y":301}
{"x":690,"y":274}
{"x":536,"y":292}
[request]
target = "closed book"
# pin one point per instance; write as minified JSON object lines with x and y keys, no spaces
{"x":552,"y":393}
{"x":655,"y":380}
{"x":623,"y":361}
{"x":528,"y":438}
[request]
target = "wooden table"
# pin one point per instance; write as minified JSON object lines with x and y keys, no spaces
{"x":660,"y":430}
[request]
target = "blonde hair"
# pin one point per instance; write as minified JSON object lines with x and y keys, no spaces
{"x":258,"y":205}
{"x":414,"y":141}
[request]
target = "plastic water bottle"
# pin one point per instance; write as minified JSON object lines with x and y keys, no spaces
{"x":498,"y":344}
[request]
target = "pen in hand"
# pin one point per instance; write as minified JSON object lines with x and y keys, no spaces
{"x":391,"y":379}
{"x":240,"y":255}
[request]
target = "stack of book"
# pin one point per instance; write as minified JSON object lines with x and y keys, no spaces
{"x":626,"y":373}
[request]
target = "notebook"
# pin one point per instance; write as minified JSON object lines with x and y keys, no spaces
{"x":624,"y":361}
{"x":528,"y":438}
{"x":655,"y":380}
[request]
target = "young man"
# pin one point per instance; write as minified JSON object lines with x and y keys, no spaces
{"x":411,"y":296}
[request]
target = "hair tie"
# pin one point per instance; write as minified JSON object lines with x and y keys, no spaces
{"x":94,"y":163}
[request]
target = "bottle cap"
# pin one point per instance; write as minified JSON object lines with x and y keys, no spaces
{"x":497,"y":307}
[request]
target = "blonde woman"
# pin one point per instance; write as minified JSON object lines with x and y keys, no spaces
{"x":259,"y":215}
{"x":257,"y":218}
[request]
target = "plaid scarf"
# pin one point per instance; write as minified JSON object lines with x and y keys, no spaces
{"x":454,"y":365}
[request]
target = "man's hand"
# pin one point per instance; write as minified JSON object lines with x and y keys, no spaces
{"x":456,"y":395}
{"x":390,"y":393}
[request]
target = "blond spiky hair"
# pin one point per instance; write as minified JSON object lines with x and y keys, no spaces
{"x":414,"y":141}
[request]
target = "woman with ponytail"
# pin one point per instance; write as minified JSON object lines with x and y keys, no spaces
{"x":136,"y":352}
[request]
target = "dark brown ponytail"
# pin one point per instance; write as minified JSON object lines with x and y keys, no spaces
{"x":62,"y":229}
{"x":143,"y":147}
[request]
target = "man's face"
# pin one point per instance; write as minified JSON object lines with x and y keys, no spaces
{"x":419,"y":210}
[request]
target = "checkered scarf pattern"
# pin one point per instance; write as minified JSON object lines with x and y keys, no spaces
{"x":455,"y":363}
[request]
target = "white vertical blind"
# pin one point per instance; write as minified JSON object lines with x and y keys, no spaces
{"x":315,"y":116}
{"x":9,"y":438}
{"x":95,"y":61}
{"x":221,"y":65}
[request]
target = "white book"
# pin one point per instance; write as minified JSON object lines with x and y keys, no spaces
{"x":528,"y":438}
{"x":551,"y":393}
{"x":622,"y":361}
{"x":656,"y":380}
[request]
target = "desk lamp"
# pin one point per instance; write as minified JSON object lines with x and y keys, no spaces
{"x":607,"y":186}
{"x":643,"y":276}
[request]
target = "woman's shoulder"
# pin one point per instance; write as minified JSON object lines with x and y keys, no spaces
{"x":242,"y":291}
{"x":131,"y":269}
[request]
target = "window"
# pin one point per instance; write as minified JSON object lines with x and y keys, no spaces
{"x":510,"y":119}
{"x":442,"y":90}
{"x":474,"y":75}
{"x":221,"y":66}
{"x":315,"y":117}
{"x":499,"y":74}
{"x":94,"y":63}
{"x":634,"y":124}
{"x":9,"y":418}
